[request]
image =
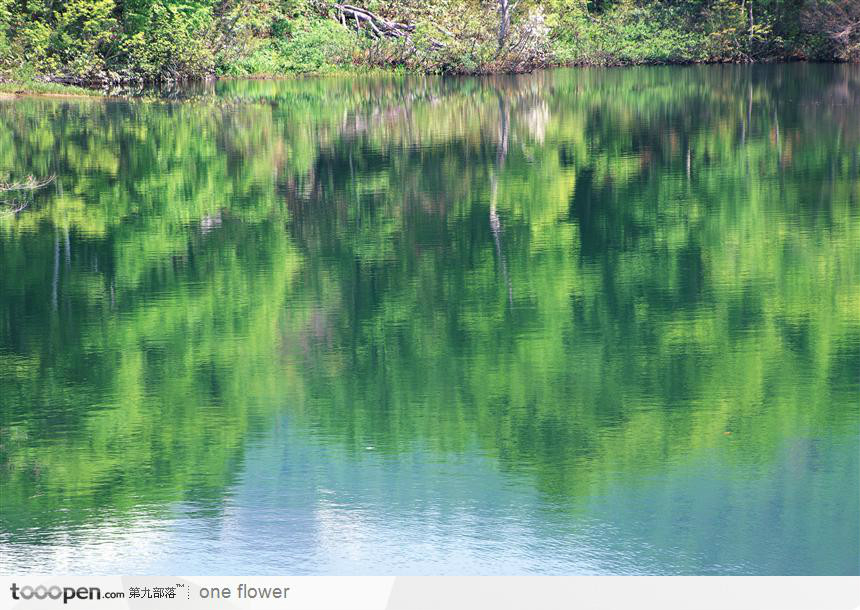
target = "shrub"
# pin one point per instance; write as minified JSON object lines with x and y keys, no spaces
{"x":84,"y":36}
{"x":315,"y":45}
{"x":172,"y":43}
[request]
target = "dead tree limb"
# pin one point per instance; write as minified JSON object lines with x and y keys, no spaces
{"x":30,"y":184}
{"x":13,"y":207}
{"x":379,"y":26}
{"x":839,"y":20}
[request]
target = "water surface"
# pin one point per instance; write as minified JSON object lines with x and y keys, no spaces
{"x":572,"y":322}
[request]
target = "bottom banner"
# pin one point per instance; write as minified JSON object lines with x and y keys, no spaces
{"x":432,"y":593}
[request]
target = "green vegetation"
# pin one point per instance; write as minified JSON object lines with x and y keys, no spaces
{"x":106,"y":41}
{"x":44,"y":88}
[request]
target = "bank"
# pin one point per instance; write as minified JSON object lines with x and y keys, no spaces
{"x":115,"y":46}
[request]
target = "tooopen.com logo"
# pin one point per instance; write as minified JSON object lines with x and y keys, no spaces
{"x":59,"y":593}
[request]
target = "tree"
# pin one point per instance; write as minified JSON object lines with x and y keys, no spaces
{"x":839,"y":20}
{"x":506,"y":9}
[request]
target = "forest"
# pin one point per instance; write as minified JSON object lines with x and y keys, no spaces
{"x":114,"y":41}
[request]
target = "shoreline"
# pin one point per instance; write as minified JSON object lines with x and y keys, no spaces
{"x":14,"y":89}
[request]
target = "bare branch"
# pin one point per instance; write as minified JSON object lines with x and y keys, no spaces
{"x":839,"y":20}
{"x":379,"y":26}
{"x":30,"y":184}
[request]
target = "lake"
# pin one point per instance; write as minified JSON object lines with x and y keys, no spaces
{"x":580,"y":321}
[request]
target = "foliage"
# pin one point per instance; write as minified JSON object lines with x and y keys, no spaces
{"x":314,"y":46}
{"x":168,"y":43}
{"x":629,"y":35}
{"x":838,"y":23}
{"x":109,"y":40}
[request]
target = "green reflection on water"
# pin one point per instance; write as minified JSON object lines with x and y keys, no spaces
{"x":591,"y":278}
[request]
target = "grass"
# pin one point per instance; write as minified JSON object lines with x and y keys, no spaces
{"x":35,"y":87}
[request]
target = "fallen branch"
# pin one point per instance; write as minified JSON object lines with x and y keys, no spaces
{"x":379,"y":27}
{"x":11,"y":208}
{"x":30,"y":184}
